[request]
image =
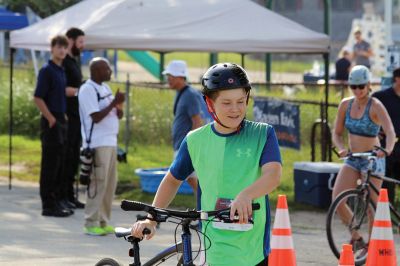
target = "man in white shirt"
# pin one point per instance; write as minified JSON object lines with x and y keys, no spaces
{"x":99,"y":112}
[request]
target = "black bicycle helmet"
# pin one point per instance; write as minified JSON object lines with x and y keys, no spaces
{"x":225,"y":76}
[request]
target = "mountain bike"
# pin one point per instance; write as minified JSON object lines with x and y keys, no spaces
{"x":361,"y":210}
{"x":181,"y":251}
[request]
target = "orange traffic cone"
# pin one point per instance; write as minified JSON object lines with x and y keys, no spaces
{"x":346,"y":256}
{"x":282,"y":251}
{"x":381,"y":249}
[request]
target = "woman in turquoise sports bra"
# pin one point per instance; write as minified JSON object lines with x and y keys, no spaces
{"x":362,"y":116}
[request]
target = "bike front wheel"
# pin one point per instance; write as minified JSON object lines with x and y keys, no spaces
{"x":350,"y":215}
{"x":108,"y":262}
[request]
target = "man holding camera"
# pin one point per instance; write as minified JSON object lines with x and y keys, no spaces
{"x":99,"y":112}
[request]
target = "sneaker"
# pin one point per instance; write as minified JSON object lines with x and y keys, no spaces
{"x":108,"y":229}
{"x":95,"y":231}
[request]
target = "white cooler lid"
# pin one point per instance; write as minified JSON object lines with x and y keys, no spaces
{"x":318,"y":167}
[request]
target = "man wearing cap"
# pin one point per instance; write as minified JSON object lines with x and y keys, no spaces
{"x":187,"y":106}
{"x":361,"y":51}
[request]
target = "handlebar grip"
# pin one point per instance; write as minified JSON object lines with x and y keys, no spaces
{"x":146,"y":231}
{"x":128,"y":205}
{"x":255,"y":206}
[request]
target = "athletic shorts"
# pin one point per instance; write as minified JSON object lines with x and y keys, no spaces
{"x":361,"y":164}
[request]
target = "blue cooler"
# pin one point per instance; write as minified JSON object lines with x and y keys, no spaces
{"x":151,"y":178}
{"x":313,"y":182}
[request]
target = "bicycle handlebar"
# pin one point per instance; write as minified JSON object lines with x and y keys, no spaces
{"x":366,"y":154}
{"x":128,"y":205}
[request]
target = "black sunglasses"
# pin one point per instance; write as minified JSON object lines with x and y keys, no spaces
{"x":360,"y":86}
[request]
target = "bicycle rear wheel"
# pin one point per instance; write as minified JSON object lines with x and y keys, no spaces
{"x":354,"y":204}
{"x":108,"y":262}
{"x":168,"y":255}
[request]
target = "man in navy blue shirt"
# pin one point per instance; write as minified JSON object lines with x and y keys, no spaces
{"x":50,"y":99}
{"x":390,"y":98}
{"x":187,"y":106}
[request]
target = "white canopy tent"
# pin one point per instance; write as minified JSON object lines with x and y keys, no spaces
{"x":176,"y":25}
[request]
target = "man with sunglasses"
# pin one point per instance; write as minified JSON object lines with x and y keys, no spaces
{"x":362,"y":116}
{"x":390,"y":98}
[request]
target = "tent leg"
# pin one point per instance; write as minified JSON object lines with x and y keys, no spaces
{"x":10,"y":127}
{"x":327,"y":151}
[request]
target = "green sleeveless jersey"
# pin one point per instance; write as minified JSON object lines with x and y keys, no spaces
{"x":225,"y":165}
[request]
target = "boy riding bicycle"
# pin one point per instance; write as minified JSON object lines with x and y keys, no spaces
{"x":237,"y":162}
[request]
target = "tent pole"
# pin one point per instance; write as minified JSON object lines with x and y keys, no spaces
{"x":127,"y":115}
{"x":268,"y":4}
{"x":327,"y":29}
{"x":213,"y":58}
{"x":10,"y":113}
{"x":162,"y":58}
{"x":242,"y":59}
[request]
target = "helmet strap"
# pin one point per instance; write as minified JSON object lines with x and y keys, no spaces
{"x":212,"y":112}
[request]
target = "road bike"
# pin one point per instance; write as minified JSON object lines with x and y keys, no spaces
{"x":360,"y":209}
{"x":181,"y":251}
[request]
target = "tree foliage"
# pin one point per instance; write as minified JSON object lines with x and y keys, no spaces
{"x":43,"y":8}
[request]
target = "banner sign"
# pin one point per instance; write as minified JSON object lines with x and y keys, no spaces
{"x":283,"y":116}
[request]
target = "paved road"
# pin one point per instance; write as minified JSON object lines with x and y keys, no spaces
{"x":27,"y":238}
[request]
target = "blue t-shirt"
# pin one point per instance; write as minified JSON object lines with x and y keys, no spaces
{"x":205,"y":115}
{"x":50,"y":87}
{"x":187,"y":104}
{"x":182,"y":166}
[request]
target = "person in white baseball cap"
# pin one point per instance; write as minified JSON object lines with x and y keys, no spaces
{"x":176,"y":68}
{"x":188,"y":107}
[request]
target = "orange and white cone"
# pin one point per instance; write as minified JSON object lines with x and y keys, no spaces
{"x":346,"y":256}
{"x":282,"y":250}
{"x":381,"y":250}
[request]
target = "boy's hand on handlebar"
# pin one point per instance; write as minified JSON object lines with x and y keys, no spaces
{"x":241,"y":206}
{"x":138,"y":228}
